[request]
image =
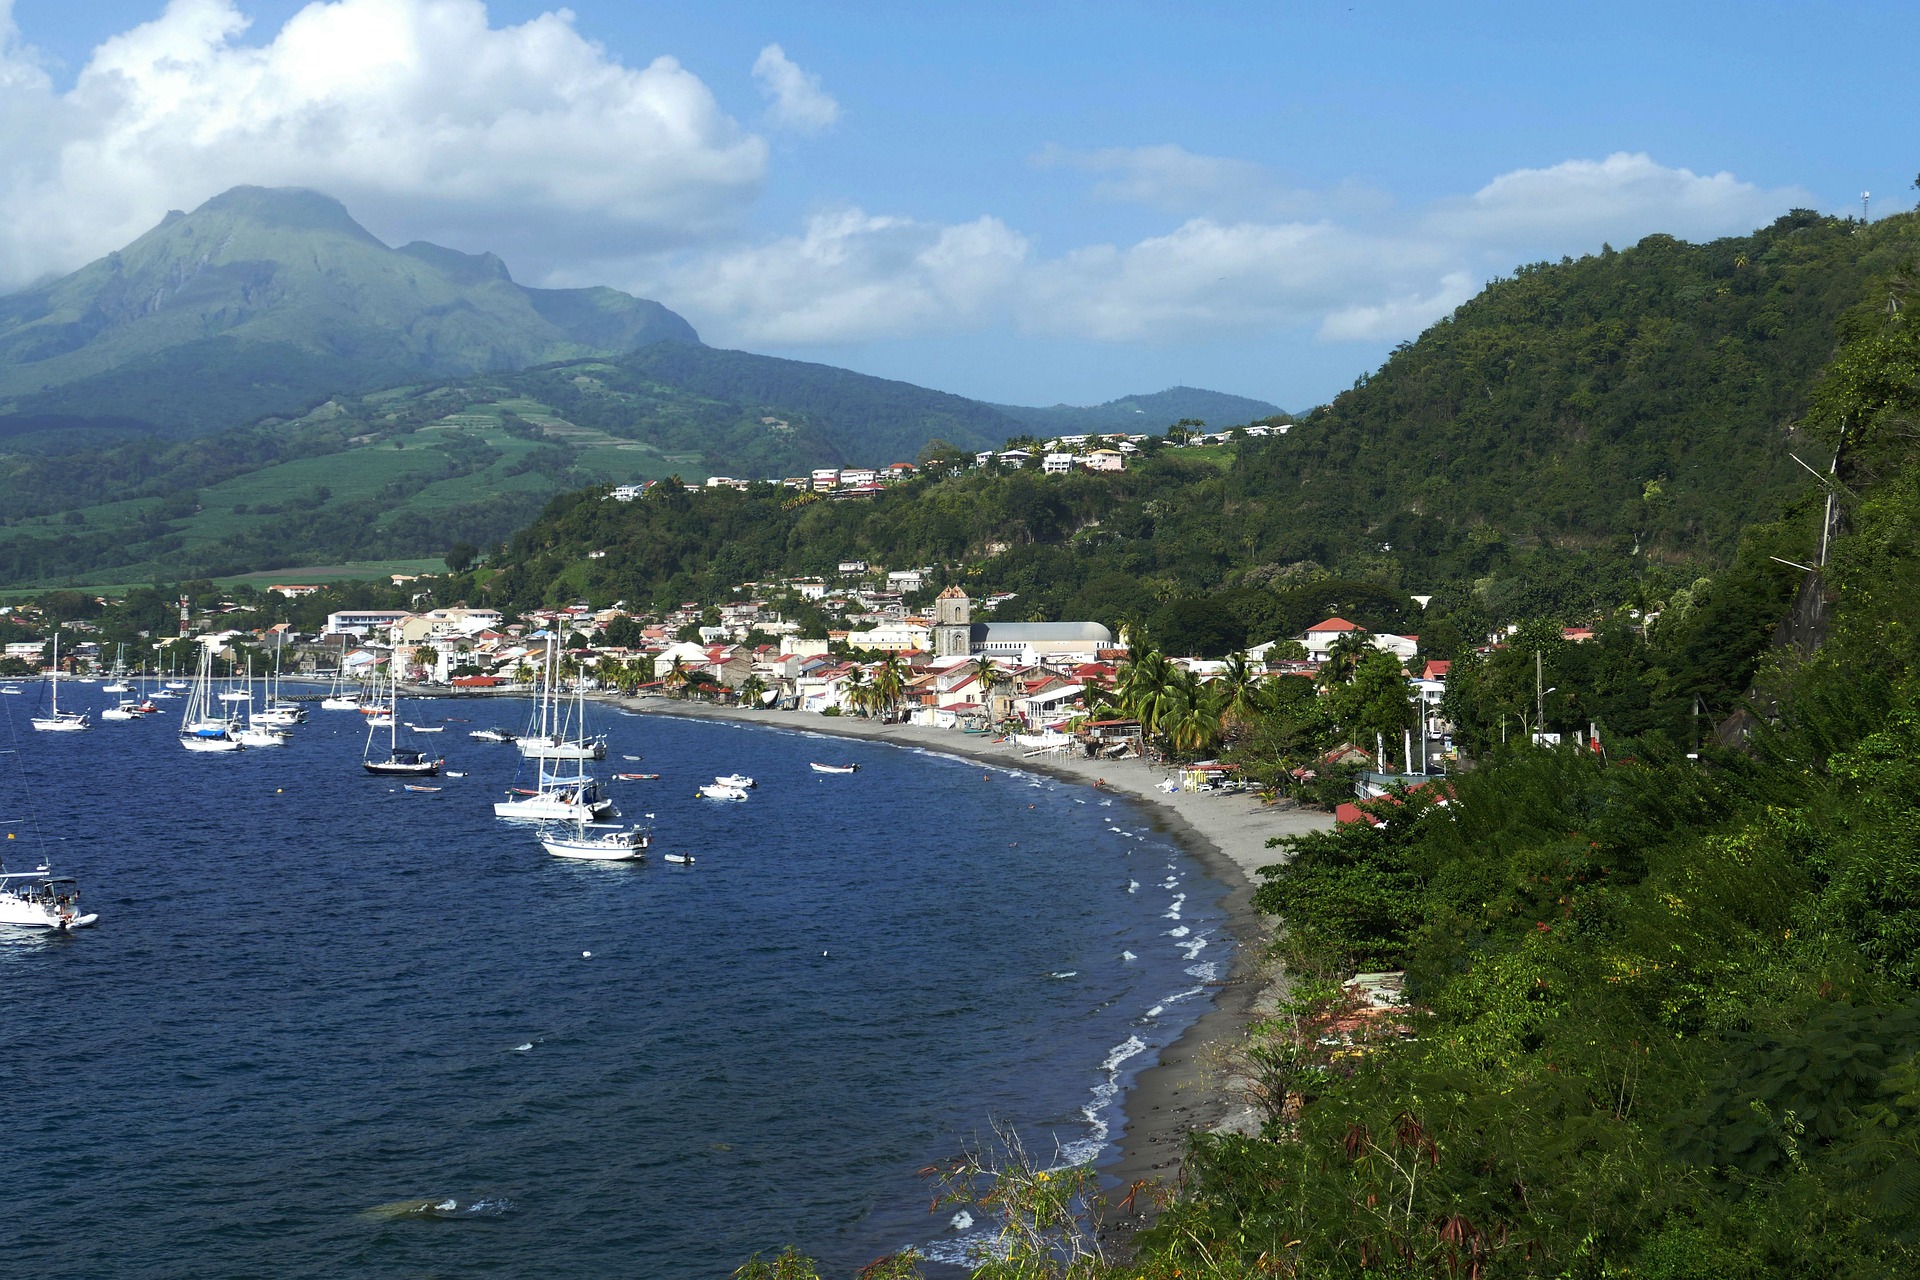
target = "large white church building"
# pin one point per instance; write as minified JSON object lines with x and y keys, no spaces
{"x":955,"y":634}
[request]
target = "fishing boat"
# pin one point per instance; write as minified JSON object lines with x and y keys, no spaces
{"x":200,"y":729}
{"x":402,"y":762}
{"x":56,"y":720}
{"x":556,"y":800}
{"x":41,"y":900}
{"x":817,"y":767}
{"x":721,"y":791}
{"x":596,"y":841}
{"x":490,"y":735}
{"x":555,"y":731}
{"x":739,"y":780}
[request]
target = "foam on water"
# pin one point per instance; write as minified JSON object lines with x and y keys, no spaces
{"x":1180,"y":932}
{"x":1086,"y":1150}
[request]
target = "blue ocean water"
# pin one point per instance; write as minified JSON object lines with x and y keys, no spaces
{"x":312,"y":993}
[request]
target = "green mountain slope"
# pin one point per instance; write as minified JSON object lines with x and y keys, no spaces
{"x":1149,"y":413}
{"x":264,"y":301}
{"x":1575,"y":430}
{"x":408,"y":471}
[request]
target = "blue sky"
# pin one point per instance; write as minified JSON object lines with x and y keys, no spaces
{"x":1017,"y":202}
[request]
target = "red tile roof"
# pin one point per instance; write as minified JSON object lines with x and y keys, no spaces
{"x":1335,"y":624}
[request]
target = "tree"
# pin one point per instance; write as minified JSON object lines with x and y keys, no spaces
{"x":461,"y":555}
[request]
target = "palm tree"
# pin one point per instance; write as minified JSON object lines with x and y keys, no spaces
{"x":752,"y":689}
{"x":677,"y":676}
{"x":1241,"y":691}
{"x":889,"y":682}
{"x":857,"y":693}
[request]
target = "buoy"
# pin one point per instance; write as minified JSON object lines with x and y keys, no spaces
{"x":279,"y":791}
{"x":586,"y":955}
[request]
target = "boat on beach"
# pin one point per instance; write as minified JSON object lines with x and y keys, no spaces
{"x":817,"y":767}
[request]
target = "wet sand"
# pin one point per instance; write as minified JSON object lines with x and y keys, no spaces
{"x":1191,"y":1087}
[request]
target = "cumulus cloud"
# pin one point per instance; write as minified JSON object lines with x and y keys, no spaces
{"x":419,"y":106}
{"x":795,"y":98}
{"x":854,"y":277}
{"x":1623,"y":198}
{"x":1351,"y":270}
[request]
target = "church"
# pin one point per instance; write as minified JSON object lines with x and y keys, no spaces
{"x":955,"y":634}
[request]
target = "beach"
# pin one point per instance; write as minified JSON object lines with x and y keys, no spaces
{"x":1191,"y":1088}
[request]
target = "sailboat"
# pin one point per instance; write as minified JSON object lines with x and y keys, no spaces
{"x":277,"y":711}
{"x":338,"y":698}
{"x":41,"y":900}
{"x":119,"y":682}
{"x":200,"y":728}
{"x":596,"y":841}
{"x":554,"y":733}
{"x":401,"y":762}
{"x":258,"y":732}
{"x":58,"y":721}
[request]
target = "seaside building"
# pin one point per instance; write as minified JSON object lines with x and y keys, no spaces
{"x":955,"y":634}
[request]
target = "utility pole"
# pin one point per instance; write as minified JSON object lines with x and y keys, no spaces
{"x":1539,"y":696}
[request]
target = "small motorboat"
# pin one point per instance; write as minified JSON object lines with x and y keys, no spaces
{"x":633,"y":757}
{"x":125,"y":709}
{"x":723,"y":791}
{"x":596,"y":841}
{"x":414,"y":786}
{"x":490,"y":735}
{"x":740,"y":780}
{"x":11,"y":689}
{"x":684,"y":859}
{"x":426,"y":728}
{"x":817,"y":767}
{"x":638,"y":777}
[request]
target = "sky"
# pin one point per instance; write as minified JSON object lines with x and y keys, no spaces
{"x":1025,"y":203}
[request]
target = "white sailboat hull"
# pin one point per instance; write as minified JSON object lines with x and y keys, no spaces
{"x":64,"y":723}
{"x":550,"y":749}
{"x":33,"y":915}
{"x":339,"y":704}
{"x":552,"y":806}
{"x":618,"y":847}
{"x":193,"y":742}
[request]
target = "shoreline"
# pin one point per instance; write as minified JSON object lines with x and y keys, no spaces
{"x":1188,"y":1088}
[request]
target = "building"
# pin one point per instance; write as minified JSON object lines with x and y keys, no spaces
{"x":955,"y":634}
{"x":292,"y":592}
{"x":1057,"y":464}
{"x":362,"y":622}
{"x":826,"y":479}
{"x":1106,"y":460}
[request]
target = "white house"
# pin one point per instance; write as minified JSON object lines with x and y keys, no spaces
{"x":826,"y":478}
{"x":1057,"y":464}
{"x":1320,"y":637}
{"x":1014,"y":458}
{"x":1106,"y":460}
{"x":859,"y":475}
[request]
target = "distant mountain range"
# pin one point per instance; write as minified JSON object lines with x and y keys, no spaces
{"x":1151,"y":413}
{"x":262,"y":382}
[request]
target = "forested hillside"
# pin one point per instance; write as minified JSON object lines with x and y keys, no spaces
{"x":1576,"y":434}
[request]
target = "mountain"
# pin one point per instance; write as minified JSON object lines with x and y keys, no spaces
{"x":266,"y":301}
{"x":1148,"y":413}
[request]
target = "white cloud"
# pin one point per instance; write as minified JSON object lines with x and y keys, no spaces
{"x":1621,"y":198}
{"x":796,"y":100}
{"x":1353,"y":272}
{"x":852,"y":277}
{"x":416,"y":110}
{"x":1398,"y":317}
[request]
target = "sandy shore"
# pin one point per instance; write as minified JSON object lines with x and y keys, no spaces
{"x":1190,"y":1087}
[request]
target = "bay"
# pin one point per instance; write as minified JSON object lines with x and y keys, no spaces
{"x":312,"y":993}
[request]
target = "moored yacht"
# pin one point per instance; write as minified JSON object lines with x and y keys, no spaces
{"x":596,"y":841}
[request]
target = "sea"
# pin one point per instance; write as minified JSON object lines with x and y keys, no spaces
{"x":329,"y":1026}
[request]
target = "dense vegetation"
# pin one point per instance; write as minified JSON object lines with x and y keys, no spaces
{"x":1662,"y":1014}
{"x":1577,"y":435}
